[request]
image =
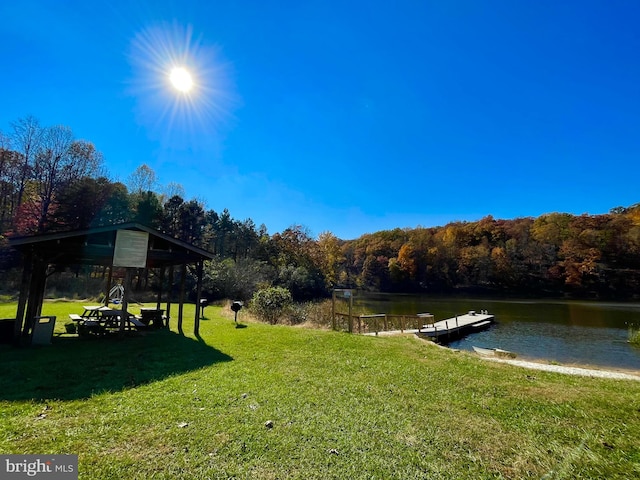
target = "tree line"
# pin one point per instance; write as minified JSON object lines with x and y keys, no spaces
{"x":51,"y":181}
{"x":555,"y":254}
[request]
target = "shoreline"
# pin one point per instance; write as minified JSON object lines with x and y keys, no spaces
{"x":568,"y":370}
{"x":578,"y":370}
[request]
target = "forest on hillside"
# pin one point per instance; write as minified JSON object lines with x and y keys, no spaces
{"x":50,"y":181}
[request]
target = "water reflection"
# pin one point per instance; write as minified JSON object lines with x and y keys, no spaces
{"x":563,"y":331}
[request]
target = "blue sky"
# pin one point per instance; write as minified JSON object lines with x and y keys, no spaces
{"x":349,"y":117}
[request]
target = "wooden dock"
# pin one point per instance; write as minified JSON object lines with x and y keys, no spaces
{"x":451,"y":329}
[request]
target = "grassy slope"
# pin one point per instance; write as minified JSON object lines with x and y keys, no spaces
{"x":341,"y":405}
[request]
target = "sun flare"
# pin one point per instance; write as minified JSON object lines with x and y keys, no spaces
{"x":181,"y":84}
{"x":181,"y":79}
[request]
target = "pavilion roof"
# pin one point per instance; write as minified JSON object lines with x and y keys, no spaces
{"x":95,"y":246}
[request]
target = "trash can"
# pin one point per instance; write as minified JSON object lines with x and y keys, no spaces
{"x":6,"y":330}
{"x":43,"y":330}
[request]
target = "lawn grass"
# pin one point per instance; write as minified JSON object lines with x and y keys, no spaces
{"x":164,"y":405}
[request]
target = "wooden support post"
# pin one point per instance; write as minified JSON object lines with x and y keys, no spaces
{"x":108,"y":288}
{"x":125,"y":299}
{"x":42,"y":284}
{"x":31,"y":301}
{"x":161,"y":280}
{"x":22,"y":299}
{"x":350,"y":327}
{"x":36,"y":293}
{"x":183,"y":278}
{"x":333,"y":310}
{"x":196,"y":326}
{"x":169,"y":292}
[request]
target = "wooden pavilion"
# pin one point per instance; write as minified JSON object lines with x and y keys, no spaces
{"x":127,"y":245}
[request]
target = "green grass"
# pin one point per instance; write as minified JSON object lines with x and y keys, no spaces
{"x":165,"y":405}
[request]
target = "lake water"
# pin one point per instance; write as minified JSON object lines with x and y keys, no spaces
{"x":567,"y":332}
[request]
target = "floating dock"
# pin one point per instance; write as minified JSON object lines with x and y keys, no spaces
{"x":454,"y":328}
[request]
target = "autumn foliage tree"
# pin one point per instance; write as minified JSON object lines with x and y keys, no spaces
{"x":49,"y":181}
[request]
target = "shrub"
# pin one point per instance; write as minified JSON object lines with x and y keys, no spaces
{"x":271,"y":303}
{"x":316,"y":314}
{"x":226,"y":278}
{"x":634,"y":335}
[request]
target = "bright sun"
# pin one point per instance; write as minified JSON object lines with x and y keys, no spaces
{"x":181,"y":79}
{"x":181,"y":84}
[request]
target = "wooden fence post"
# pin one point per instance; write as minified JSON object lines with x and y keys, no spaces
{"x":333,"y":310}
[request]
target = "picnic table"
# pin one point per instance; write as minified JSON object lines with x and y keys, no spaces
{"x":152,"y":316}
{"x":101,"y":319}
{"x":93,"y":310}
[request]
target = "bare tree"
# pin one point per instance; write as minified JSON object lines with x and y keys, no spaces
{"x":27,"y":138}
{"x":172,"y":189}
{"x":142,"y":180}
{"x":61,"y":161}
